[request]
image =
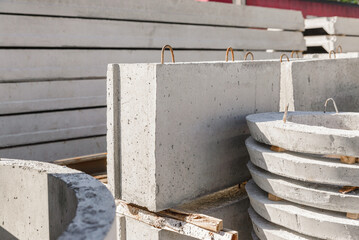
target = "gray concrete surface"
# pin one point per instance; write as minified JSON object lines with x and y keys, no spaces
{"x":17,"y":130}
{"x":265,"y":230}
{"x":173,"y":144}
{"x":180,"y":11}
{"x":328,"y":43}
{"x":326,"y":55}
{"x":51,"y":151}
{"x":334,"y":25}
{"x":308,"y":194}
{"x":308,"y":132}
{"x":305,"y":220}
{"x":302,"y":167}
{"x":306,"y":84}
{"x":60,"y":32}
{"x":63,"y":204}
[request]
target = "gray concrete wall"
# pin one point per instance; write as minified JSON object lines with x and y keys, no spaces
{"x":177,"y":131}
{"x":63,"y":204}
{"x":306,"y":84}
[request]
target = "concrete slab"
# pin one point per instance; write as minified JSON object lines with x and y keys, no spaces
{"x":308,"y":132}
{"x":308,"y":194}
{"x":63,"y":204}
{"x":177,"y":11}
{"x":26,"y":65}
{"x":326,"y":55}
{"x":93,"y":33}
{"x":302,"y":167}
{"x":306,"y":220}
{"x":334,"y":25}
{"x":185,"y":143}
{"x":24,"y":129}
{"x":52,"y":151}
{"x":306,"y":84}
{"x":265,"y":230}
{"x":51,"y":95}
{"x":328,"y":43}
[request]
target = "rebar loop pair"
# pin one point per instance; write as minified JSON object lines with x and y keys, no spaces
{"x":232,"y":52}
{"x":335,"y":52}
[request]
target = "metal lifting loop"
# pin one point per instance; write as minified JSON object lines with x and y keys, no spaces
{"x":281,"y":57}
{"x":229,"y":49}
{"x":296,"y":54}
{"x":337,"y":49}
{"x":330,"y":54}
{"x":326,"y":103}
{"x":163,"y":53}
{"x":249,"y":53}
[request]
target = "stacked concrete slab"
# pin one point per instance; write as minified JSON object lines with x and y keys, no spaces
{"x":54,"y":56}
{"x":328,"y":33}
{"x":302,"y":164}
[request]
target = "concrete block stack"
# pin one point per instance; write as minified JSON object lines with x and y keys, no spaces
{"x":54,"y":54}
{"x":304,"y":175}
{"x":176,"y":133}
{"x":327,"y":34}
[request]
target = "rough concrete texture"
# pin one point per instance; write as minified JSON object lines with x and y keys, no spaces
{"x":133,"y":229}
{"x":310,"y":221}
{"x":328,"y":43}
{"x":306,"y":84}
{"x":334,"y":25}
{"x":302,"y":167}
{"x":177,"y":131}
{"x":265,"y":230}
{"x":309,"y":194}
{"x":308,"y":132}
{"x":180,"y":11}
{"x":63,"y":204}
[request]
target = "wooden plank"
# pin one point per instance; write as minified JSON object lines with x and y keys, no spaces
{"x":206,"y":222}
{"x":90,"y":164}
{"x":26,"y":129}
{"x":170,"y":224}
{"x":49,"y":152}
{"x":30,"y":65}
{"x":51,"y":95}
{"x":31,"y":31}
{"x":176,"y":11}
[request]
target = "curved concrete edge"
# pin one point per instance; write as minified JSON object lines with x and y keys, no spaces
{"x":304,"y":168}
{"x":305,"y":220}
{"x":268,"y":231}
{"x":270,"y":129}
{"x":254,"y":236}
{"x":95,"y":212}
{"x":309,"y":194}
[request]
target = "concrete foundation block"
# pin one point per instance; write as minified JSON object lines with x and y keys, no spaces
{"x":303,"y":168}
{"x":329,"y":43}
{"x":310,"y":221}
{"x":326,"y":55}
{"x":308,"y":194}
{"x":306,"y":84}
{"x":177,"y":131}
